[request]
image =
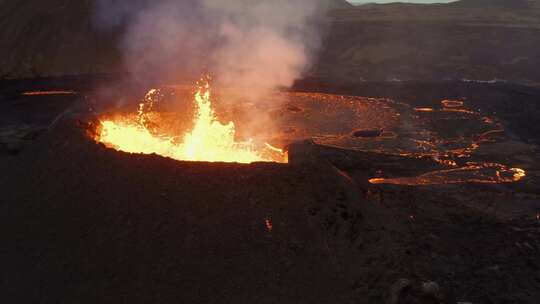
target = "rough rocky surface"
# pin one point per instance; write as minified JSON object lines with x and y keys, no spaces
{"x":102,"y":226}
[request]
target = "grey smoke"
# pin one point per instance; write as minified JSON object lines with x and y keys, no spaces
{"x":114,"y":13}
{"x":255,"y":44}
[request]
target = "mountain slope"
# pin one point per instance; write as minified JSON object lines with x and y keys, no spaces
{"x":469,"y":39}
{"x":53,"y":37}
{"x":501,"y":3}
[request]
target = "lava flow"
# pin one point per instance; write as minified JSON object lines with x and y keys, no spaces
{"x":482,"y":173}
{"x":208,"y":140}
{"x":46,"y":93}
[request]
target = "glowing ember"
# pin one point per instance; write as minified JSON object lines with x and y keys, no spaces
{"x":452,"y":103}
{"x":269,"y":225}
{"x":424,"y":109}
{"x":208,"y":140}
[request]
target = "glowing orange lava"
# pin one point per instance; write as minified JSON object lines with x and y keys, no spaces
{"x":208,"y":140}
{"x":45,"y":93}
{"x":484,"y":173}
{"x":424,"y":109}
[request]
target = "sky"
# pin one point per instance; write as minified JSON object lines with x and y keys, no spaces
{"x":389,"y":1}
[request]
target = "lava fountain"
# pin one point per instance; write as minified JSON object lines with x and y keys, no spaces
{"x":208,"y":140}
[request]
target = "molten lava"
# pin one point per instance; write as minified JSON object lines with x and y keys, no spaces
{"x":482,"y":173}
{"x":208,"y":140}
{"x":46,"y":93}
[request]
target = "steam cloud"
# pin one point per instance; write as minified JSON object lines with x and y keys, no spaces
{"x":258,"y":44}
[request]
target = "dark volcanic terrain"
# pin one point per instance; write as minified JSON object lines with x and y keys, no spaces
{"x":84,"y":223}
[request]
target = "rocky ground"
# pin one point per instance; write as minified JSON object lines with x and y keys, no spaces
{"x":84,"y":223}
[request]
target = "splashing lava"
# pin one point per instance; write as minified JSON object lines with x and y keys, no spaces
{"x":208,"y":140}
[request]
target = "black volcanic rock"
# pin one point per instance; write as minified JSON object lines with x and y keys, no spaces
{"x":106,"y":226}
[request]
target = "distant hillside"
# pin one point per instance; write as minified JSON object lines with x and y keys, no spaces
{"x":53,"y":37}
{"x":502,"y":3}
{"x":469,"y":39}
{"x":338,"y":4}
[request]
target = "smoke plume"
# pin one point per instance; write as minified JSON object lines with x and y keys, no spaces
{"x":255,"y":44}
